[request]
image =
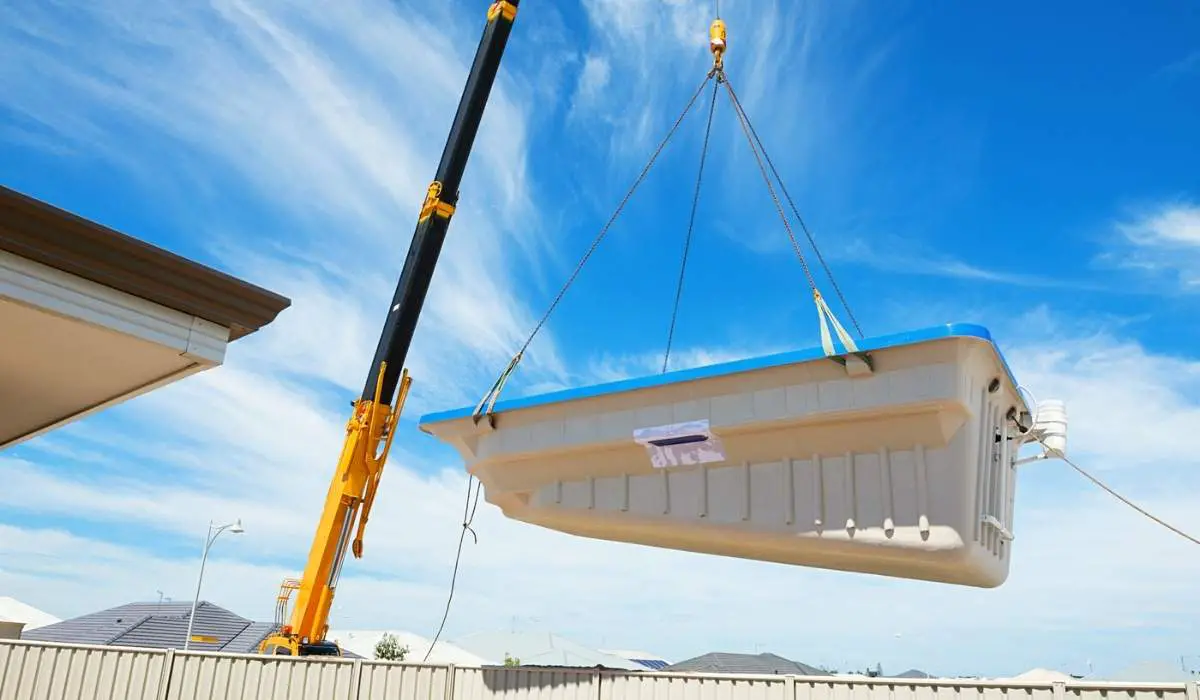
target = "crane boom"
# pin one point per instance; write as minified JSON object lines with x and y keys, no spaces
{"x":371,"y":427}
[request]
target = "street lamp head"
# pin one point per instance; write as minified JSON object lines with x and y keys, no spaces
{"x":237,"y":528}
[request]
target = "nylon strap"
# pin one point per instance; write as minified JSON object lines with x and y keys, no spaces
{"x":827,"y":318}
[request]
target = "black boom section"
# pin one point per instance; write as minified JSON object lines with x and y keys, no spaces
{"x":426,"y":246}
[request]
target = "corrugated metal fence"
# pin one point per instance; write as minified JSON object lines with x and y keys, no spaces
{"x":43,"y":671}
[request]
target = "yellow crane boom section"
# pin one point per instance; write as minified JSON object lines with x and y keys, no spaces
{"x":369,"y":434}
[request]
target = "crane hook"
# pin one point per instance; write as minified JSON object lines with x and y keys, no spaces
{"x":716,"y":42}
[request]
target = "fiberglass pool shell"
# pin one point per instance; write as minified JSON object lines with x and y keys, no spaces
{"x":906,"y":471}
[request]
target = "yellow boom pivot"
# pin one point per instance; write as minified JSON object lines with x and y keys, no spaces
{"x":369,"y":434}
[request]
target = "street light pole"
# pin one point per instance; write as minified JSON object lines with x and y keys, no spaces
{"x":235,"y":528}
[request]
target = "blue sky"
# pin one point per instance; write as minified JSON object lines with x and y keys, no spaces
{"x":1027,"y":168}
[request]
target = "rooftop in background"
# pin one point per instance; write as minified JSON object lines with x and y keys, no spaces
{"x":13,"y":610}
{"x":93,"y":317}
{"x":541,"y":649}
{"x":654,"y":662}
{"x":158,"y":626}
{"x":362,"y":643}
{"x":755,"y":664}
{"x":1154,"y":672}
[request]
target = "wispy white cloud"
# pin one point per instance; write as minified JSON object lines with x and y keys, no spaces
{"x":1183,"y":67}
{"x":640,"y":54}
{"x":888,"y":254}
{"x":1129,"y":409}
{"x":1161,"y":241}
{"x":593,"y":80}
{"x":796,"y":85}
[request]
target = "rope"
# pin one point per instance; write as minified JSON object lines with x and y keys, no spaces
{"x":468,"y":517}
{"x":799,"y":219}
{"x":687,"y":241}
{"x":804,"y":227}
{"x":1119,"y":497}
{"x":812,"y":283}
{"x":494,"y":393}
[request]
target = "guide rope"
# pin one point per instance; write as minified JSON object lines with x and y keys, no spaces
{"x":687,"y":241}
{"x":468,"y":517}
{"x":1112,"y":492}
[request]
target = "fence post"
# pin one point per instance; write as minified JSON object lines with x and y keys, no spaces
{"x":450,"y":676}
{"x":166,"y":674}
{"x":1060,"y":690}
{"x":598,"y":679}
{"x":789,"y":687}
{"x":356,"y":679}
{"x":1193,"y":690}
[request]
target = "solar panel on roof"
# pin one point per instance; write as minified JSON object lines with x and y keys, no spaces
{"x":655,"y":664}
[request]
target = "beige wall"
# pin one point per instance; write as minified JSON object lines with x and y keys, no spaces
{"x":42,"y":671}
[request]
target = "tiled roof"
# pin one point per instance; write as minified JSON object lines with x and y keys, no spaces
{"x":250,"y":637}
{"x":158,"y":626}
{"x":721,"y":662}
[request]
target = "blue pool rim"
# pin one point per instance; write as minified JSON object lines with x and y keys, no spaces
{"x":787,"y":357}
